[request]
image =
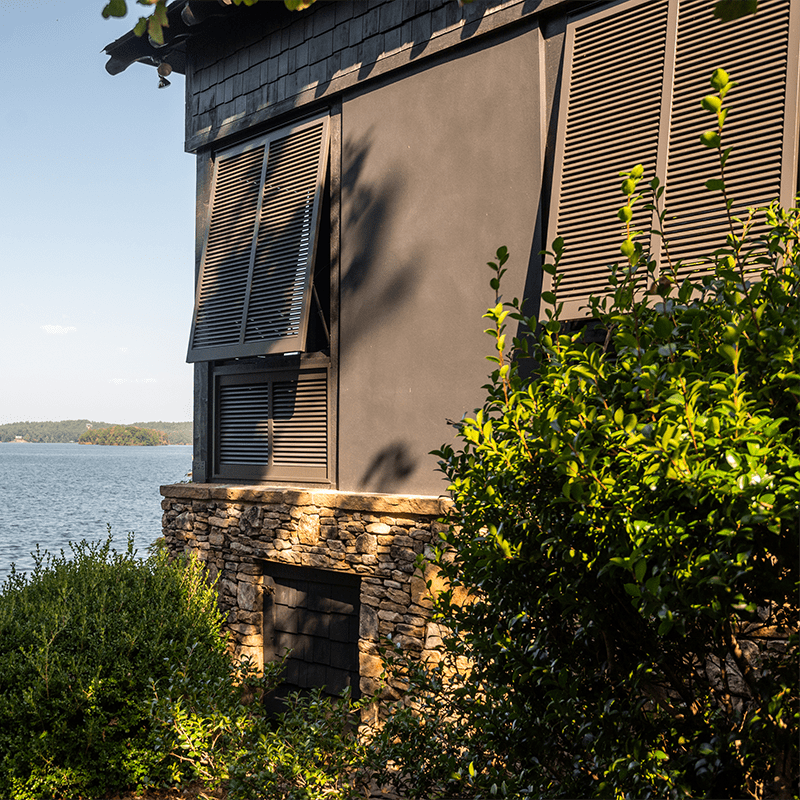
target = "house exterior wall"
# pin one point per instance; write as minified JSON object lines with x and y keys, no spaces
{"x":444,"y":145}
{"x":428,"y":194}
{"x":424,"y":113}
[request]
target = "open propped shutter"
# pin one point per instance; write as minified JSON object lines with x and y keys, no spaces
{"x":614,"y":115}
{"x":611,"y":95}
{"x":755,"y":52}
{"x":272,"y":426}
{"x":253,"y":294}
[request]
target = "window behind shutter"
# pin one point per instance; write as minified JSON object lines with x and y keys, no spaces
{"x":272,"y":425}
{"x":621,"y":65}
{"x":253,"y":295}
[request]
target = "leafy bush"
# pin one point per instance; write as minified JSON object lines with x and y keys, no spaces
{"x":308,"y":751}
{"x":626,"y":523}
{"x":83,"y":642}
{"x":114,"y":674}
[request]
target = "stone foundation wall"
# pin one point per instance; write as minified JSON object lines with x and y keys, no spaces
{"x":238,"y":530}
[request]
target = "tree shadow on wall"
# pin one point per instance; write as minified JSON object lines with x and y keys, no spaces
{"x":369,"y":208}
{"x":390,"y":467}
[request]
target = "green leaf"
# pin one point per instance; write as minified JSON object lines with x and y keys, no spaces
{"x":639,"y":570}
{"x":710,"y":139}
{"x":627,"y":248}
{"x":719,"y":79}
{"x":711,"y":103}
{"x":115,"y":8}
{"x":715,"y":185}
{"x":663,"y":326}
{"x":729,"y":10}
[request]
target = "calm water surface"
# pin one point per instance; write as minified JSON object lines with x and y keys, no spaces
{"x":56,"y":493}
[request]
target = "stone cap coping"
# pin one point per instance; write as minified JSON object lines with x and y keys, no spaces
{"x":325,"y":498}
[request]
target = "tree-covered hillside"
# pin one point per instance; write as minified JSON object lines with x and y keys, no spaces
{"x":71,"y":430}
{"x":124,"y":435}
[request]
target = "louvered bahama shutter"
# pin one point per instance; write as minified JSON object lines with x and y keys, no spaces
{"x":273,"y":426}
{"x":253,"y":294}
{"x":605,"y":127}
{"x":610,"y":119}
{"x":300,"y":425}
{"x":759,"y":53}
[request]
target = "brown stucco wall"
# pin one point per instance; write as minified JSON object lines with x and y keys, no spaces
{"x":439,"y":168}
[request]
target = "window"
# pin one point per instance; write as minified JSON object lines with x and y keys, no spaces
{"x":634,"y":76}
{"x":314,"y":614}
{"x":272,"y":425}
{"x":254,"y":292}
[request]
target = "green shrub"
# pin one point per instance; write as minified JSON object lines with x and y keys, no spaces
{"x":83,"y":643}
{"x":311,"y":750}
{"x":217,"y":732}
{"x":626,"y":523}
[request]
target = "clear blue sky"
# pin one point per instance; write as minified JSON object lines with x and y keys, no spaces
{"x":96,"y":224}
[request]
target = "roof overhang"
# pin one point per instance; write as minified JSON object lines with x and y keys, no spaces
{"x":186,"y":18}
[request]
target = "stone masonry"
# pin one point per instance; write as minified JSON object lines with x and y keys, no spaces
{"x":237,"y":530}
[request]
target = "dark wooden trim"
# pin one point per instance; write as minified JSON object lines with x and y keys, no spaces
{"x":335,"y":276}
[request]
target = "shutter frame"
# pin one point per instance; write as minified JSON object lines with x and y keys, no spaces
{"x":576,"y":306}
{"x":261,"y":308}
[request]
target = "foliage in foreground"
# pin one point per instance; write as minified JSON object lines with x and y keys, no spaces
{"x":626,"y":523}
{"x":83,"y":641}
{"x":115,"y":674}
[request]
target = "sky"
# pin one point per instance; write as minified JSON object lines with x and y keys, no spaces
{"x":96,"y":224}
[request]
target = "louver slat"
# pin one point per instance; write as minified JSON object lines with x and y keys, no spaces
{"x":753,"y":51}
{"x":254,"y":290}
{"x":604,"y":129}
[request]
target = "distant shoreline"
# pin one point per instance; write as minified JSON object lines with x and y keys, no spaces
{"x":71,"y":431}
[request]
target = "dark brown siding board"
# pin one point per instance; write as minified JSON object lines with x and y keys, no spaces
{"x":335,"y":267}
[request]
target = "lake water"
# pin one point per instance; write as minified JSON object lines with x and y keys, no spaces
{"x":56,"y":493}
